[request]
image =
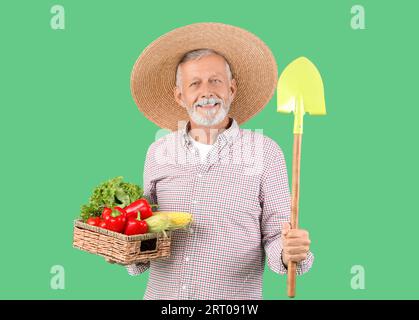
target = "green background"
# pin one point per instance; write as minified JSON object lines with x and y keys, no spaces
{"x":68,"y":122}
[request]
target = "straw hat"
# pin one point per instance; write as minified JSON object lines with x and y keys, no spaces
{"x":252,"y":64}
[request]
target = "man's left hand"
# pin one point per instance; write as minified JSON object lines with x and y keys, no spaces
{"x":295,"y":244}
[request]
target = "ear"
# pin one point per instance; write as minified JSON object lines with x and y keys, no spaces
{"x":178,"y":96}
{"x":233,"y":88}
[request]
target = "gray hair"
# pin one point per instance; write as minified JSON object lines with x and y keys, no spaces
{"x":196,"y":55}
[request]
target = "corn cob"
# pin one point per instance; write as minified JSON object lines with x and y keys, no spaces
{"x":177,"y":220}
{"x":157,"y":223}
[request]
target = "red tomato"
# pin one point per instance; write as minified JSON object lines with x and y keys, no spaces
{"x":102,"y":224}
{"x":93,"y":221}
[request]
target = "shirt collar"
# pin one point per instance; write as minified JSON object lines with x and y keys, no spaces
{"x":228,"y":135}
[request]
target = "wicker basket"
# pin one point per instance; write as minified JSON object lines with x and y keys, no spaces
{"x":118,"y":247}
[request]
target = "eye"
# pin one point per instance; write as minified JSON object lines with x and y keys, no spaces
{"x":193,"y":83}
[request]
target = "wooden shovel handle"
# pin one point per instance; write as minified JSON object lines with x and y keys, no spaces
{"x":296,"y":157}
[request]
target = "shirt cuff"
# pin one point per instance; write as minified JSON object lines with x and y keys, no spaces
{"x":137,"y":268}
{"x":274,"y":254}
{"x":305,"y":265}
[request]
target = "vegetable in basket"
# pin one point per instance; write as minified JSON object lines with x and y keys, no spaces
{"x":177,"y":220}
{"x":114,"y":220}
{"x":111,"y":207}
{"x":135,"y":226}
{"x":157,"y":223}
{"x":141,"y":207}
{"x":160,"y":222}
{"x":94,"y":221}
{"x":110,"y":194}
{"x":167,"y":220}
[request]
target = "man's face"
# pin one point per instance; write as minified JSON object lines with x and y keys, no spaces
{"x":206,"y":91}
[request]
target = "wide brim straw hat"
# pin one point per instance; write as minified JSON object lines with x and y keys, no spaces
{"x":154,"y":73}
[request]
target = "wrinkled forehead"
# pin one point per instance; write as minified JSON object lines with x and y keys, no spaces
{"x":207,"y":66}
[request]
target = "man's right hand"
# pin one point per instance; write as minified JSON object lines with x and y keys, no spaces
{"x":296,"y":244}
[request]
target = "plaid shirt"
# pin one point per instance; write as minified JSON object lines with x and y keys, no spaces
{"x":238,"y":197}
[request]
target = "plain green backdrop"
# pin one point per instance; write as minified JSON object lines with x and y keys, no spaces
{"x":68,"y":122}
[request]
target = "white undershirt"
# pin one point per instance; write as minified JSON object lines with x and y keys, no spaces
{"x":203,"y":148}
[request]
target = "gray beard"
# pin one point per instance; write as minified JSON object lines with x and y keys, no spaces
{"x":214,"y":117}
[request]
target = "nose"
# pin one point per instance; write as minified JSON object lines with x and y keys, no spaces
{"x":206,"y":92}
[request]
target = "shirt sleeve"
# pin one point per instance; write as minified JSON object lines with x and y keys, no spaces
{"x":275,"y":200}
{"x":137,"y":268}
{"x":150,"y":194}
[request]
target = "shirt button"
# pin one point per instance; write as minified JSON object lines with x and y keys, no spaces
{"x":183,"y":287}
{"x":190,"y":230}
{"x":195,"y":202}
{"x":187,"y":259}
{"x":199,"y":175}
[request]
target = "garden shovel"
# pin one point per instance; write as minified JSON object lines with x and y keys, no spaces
{"x":300,"y":90}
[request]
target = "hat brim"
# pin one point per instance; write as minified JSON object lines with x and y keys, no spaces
{"x":252,"y":62}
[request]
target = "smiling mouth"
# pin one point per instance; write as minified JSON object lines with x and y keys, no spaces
{"x":208,"y":106}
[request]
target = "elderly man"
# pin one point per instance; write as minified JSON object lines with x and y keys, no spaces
{"x":233,"y":181}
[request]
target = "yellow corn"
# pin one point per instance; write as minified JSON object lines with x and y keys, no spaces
{"x":157,"y":223}
{"x":177,"y":220}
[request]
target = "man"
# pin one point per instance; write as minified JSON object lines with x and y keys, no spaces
{"x":233,"y":181}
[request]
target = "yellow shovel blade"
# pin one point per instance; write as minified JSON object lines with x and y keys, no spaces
{"x":300,"y":89}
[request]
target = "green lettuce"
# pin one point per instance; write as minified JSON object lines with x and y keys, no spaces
{"x":111,"y":193}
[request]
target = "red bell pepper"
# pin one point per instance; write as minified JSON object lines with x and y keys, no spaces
{"x":131,"y":214}
{"x":122,"y":211}
{"x":140,"y":206}
{"x":135,"y":226}
{"x":116,"y":221}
